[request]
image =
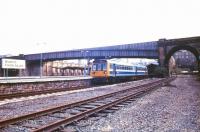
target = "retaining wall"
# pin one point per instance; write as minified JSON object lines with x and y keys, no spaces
{"x":23,"y":87}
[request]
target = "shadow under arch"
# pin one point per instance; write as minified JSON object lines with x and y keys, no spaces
{"x":183,"y":47}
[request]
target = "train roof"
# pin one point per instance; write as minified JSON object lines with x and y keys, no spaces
{"x":118,"y":63}
{"x":124,"y":63}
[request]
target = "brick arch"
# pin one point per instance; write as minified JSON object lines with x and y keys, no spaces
{"x":183,"y":47}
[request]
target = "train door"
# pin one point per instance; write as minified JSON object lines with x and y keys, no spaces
{"x":114,"y":70}
{"x":136,"y":70}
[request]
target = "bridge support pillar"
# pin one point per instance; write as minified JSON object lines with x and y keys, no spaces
{"x":199,"y":65}
{"x":161,"y":52}
{"x":161,"y":56}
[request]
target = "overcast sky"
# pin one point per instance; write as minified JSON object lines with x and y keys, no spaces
{"x":31,"y":26}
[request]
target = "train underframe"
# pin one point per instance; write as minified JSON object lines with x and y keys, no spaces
{"x":118,"y":79}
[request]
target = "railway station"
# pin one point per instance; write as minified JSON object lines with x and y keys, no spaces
{"x":99,"y":66}
{"x":87,"y":87}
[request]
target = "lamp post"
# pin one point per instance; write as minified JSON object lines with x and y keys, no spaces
{"x":85,"y":57}
{"x":41,"y":59}
{"x":41,"y":67}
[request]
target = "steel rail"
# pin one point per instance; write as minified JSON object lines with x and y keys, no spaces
{"x":54,"y":126}
{"x":6,"y":122}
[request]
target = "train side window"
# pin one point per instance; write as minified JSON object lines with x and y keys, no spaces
{"x":131,"y":68}
{"x":134,"y":68}
{"x":118,"y":67}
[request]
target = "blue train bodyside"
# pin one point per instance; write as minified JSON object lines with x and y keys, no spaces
{"x":122,"y":69}
{"x":112,"y":71}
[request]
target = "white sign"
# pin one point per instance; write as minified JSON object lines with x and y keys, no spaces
{"x":13,"y":64}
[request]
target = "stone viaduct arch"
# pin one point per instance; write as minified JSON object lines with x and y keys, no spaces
{"x":166,"y":48}
{"x":184,"y":47}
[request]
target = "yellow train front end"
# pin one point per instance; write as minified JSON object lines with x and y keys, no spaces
{"x":99,"y":74}
{"x":100,"y":70}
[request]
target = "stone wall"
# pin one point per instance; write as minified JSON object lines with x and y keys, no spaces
{"x":10,"y":88}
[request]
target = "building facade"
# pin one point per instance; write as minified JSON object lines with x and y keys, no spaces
{"x":185,"y":59}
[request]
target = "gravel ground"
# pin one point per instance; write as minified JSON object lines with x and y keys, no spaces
{"x":173,"y":108}
{"x":17,"y":107}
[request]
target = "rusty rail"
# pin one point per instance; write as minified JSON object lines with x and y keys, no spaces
{"x":6,"y":122}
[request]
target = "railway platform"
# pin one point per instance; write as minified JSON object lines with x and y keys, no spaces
{"x":12,"y":86}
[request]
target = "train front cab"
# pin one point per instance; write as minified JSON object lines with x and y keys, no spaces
{"x":99,"y":71}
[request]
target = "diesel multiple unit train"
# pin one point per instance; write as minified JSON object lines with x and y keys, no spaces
{"x":109,"y":71}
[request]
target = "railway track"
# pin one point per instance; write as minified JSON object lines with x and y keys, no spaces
{"x":51,"y":119}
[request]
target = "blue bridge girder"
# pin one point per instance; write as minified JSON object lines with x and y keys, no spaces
{"x":137,"y":50}
{"x":152,"y":54}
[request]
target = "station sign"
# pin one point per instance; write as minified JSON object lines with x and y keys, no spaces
{"x":13,"y":64}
